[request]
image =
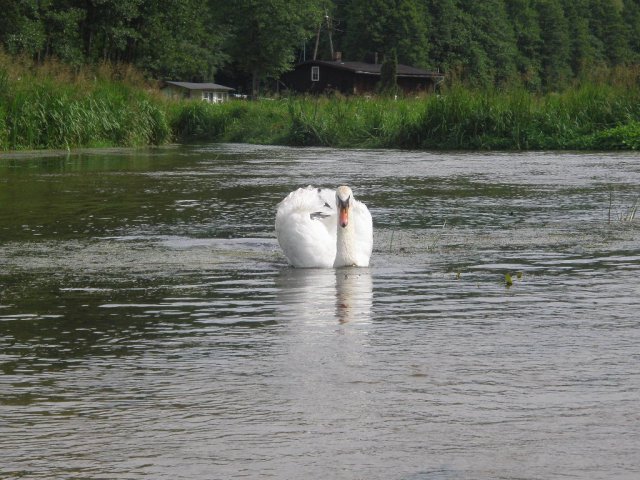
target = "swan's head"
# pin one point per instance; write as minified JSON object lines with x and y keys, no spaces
{"x":344,"y":196}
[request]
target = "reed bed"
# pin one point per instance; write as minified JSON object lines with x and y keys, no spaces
{"x":53,"y":106}
{"x":587,"y":118}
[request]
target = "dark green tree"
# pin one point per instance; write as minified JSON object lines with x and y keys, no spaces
{"x":540,"y":43}
{"x":608,"y":27}
{"x":265,"y":35}
{"x":380,"y":26}
{"x":448,"y":37}
{"x":179,"y":40}
{"x":493,"y":41}
{"x":555,"y":47}
{"x":631,"y":15}
{"x":62,"y":30}
{"x":10,"y":20}
{"x":583,"y":46}
{"x":524,"y":19}
{"x":389,"y":73}
{"x":111,"y":29}
{"x":22,"y":27}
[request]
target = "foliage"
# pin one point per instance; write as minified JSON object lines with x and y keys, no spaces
{"x":53,"y":107}
{"x":621,"y":137}
{"x":589,"y":117}
{"x":492,"y":43}
{"x":381,"y":26}
{"x":388,"y":74}
{"x":528,"y":40}
{"x":265,"y":34}
{"x":555,"y":46}
{"x":168,"y":38}
{"x":178,"y":40}
{"x":543,"y":45}
{"x":58,"y":106}
{"x":520,"y":74}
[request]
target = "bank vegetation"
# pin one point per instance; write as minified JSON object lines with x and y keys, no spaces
{"x":53,"y":105}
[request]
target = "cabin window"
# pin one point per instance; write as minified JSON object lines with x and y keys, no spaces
{"x":210,"y":97}
{"x":214,"y":97}
{"x":315,"y":74}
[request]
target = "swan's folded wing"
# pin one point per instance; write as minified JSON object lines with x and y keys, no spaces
{"x":327,"y":197}
{"x":305,"y":227}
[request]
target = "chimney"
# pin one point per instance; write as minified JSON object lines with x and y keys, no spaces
{"x":337,"y":56}
{"x":375,"y":58}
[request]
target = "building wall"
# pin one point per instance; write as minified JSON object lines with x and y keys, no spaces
{"x":416,"y":85}
{"x":172,"y":91}
{"x":348,"y":82}
{"x":205,"y":95}
{"x":329,"y":79}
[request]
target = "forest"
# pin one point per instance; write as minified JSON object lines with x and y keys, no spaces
{"x":540,"y":45}
{"x":519,"y":74}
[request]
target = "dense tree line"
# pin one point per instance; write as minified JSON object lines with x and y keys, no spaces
{"x":541,"y":44}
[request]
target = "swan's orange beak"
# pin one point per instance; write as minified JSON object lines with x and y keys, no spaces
{"x":343,"y":211}
{"x":344,"y":216}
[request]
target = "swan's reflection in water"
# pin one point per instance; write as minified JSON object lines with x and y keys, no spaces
{"x":326,"y":359}
{"x":353,"y":295}
{"x":313,"y":295}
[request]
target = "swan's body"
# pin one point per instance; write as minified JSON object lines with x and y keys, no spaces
{"x":323,"y":228}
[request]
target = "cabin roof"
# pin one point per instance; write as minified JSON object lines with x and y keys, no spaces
{"x":200,"y":86}
{"x":373,"y":68}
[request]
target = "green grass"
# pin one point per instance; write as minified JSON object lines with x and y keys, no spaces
{"x":49,"y":115}
{"x":587,"y":118}
{"x":52,"y":106}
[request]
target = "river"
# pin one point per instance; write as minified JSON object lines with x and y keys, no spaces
{"x":151,"y":328}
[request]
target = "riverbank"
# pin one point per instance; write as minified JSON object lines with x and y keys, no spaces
{"x":56,"y":107}
{"x":53,"y":108}
{"x":591,"y":117}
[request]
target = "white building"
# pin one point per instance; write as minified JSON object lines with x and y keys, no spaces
{"x":209,"y":92}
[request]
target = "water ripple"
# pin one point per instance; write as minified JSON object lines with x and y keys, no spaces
{"x":150,"y":328}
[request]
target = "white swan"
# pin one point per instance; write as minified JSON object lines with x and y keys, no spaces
{"x":323,"y":228}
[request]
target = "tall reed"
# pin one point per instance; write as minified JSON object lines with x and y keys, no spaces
{"x":588,"y":117}
{"x":55,"y":106}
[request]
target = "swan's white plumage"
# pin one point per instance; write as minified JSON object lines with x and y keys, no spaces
{"x":309,"y":235}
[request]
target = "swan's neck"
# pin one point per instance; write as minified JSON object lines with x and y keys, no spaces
{"x":345,"y":246}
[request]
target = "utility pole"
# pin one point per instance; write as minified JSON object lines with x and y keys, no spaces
{"x":329,"y":23}
{"x":315,"y":50}
{"x":330,"y":30}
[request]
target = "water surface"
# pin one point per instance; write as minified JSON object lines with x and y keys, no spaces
{"x":150,"y":327}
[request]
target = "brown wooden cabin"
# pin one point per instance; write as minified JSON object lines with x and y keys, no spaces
{"x":355,"y":78}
